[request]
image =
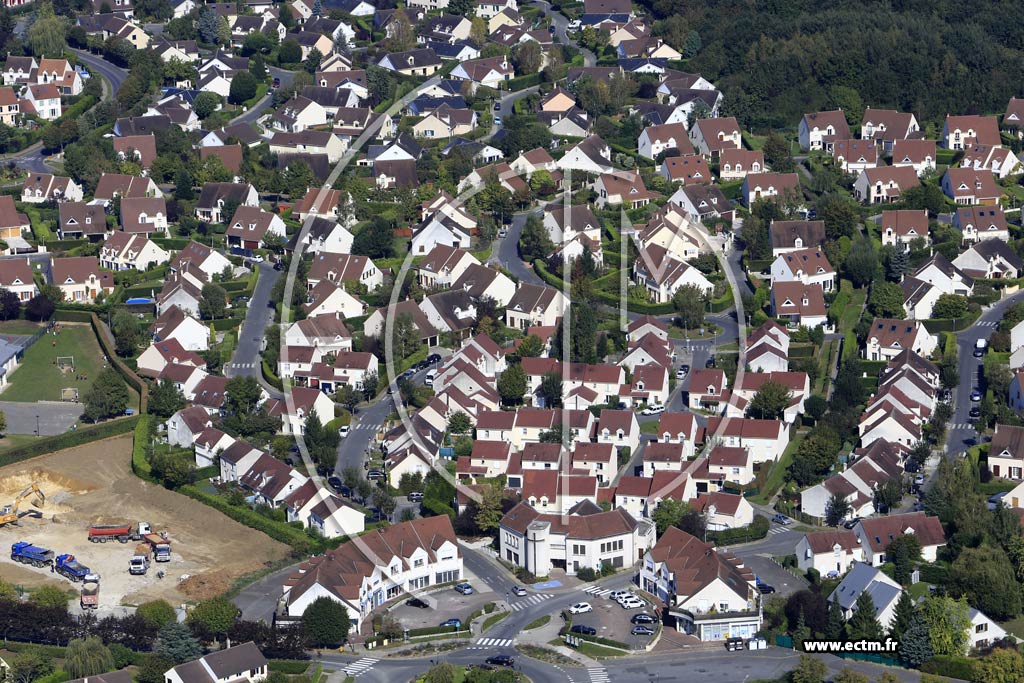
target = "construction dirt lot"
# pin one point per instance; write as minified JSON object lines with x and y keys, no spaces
{"x":94,"y":484}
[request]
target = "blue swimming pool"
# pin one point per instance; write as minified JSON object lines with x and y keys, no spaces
{"x":139,"y":300}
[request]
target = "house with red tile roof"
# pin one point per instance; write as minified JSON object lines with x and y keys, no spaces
{"x":959,"y":132}
{"x":876,"y":533}
{"x":829,"y":551}
{"x":723,"y":510}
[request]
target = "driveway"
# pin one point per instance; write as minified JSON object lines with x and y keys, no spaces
{"x":52,"y":418}
{"x":508,"y":252}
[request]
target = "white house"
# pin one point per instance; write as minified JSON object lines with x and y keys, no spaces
{"x":828,"y":551}
{"x":876,"y":533}
{"x":239,"y":663}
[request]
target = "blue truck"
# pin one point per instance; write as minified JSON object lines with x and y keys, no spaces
{"x":67,"y":566}
{"x":26,"y":553}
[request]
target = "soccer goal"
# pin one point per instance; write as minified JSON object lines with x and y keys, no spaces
{"x":69,"y":394}
{"x":66,"y":363}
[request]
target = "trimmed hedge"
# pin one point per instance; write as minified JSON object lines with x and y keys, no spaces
{"x":140,"y":465}
{"x":598,"y":640}
{"x":64,"y":245}
{"x":271,"y":378}
{"x":432,"y":631}
{"x":293,"y":667}
{"x":934,"y":573}
{"x":70,"y":439}
{"x":65,"y":315}
{"x":133,"y":380}
{"x":954,"y":325}
{"x":224,"y":324}
{"x":950,"y":667}
{"x":757,"y":530}
{"x":177,"y":243}
{"x":301,"y":544}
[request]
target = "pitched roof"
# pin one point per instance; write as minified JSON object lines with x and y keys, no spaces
{"x":880,"y":531}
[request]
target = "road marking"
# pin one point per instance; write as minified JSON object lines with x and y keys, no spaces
{"x":597,"y":590}
{"x":488,"y":643}
{"x":360,"y":667}
{"x":778,"y":530}
{"x":598,"y":675}
{"x":530,"y":601}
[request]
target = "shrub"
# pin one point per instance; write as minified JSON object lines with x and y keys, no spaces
{"x":586,"y":574}
{"x":757,"y":530}
{"x":952,"y":667}
{"x":71,"y":439}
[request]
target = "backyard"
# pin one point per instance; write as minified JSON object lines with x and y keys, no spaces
{"x":39,"y":378}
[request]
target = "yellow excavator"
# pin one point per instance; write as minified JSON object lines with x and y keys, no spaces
{"x":9,"y":513}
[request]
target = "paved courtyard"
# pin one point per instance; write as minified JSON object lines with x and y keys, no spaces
{"x":52,"y":418}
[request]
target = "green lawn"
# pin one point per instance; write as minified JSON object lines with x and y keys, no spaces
{"x":39,"y":379}
{"x":537,"y":623}
{"x":1015,"y":626}
{"x":919,"y":590}
{"x":22,"y":327}
{"x":777,"y":475}
{"x":649,"y":427}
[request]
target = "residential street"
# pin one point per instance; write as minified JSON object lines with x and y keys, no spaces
{"x":507,"y":252}
{"x":246,"y":361}
{"x":115,"y":75}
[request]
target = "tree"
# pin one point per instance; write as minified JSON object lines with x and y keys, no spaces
{"x":443,"y":672}
{"x":258,"y":66}
{"x":40,"y":307}
{"x":10,"y":305}
{"x":313,"y":59}
{"x":370,"y":382}
{"x":903,"y":617}
{"x":157,"y":613}
{"x":46,"y":34}
{"x":986,"y":578}
{"x":809,"y":670}
{"x":836,"y":509}
{"x":689,"y":302}
{"x":165,"y":398}
{"x":405,"y":335}
{"x":815,"y":407}
{"x":889,"y":495}
{"x":321,"y":441}
{"x":777,"y":154}
{"x":459,"y":423}
{"x":861,"y":264}
{"x":376,"y":240}
{"x":488,"y":508}
{"x":318,"y":9}
{"x":897,"y":263}
{"x":212,"y":617}
{"x":1002,"y":665}
{"x":551,"y":389}
{"x":863,"y":625}
{"x":326,"y":623}
{"x":289,"y":53}
{"x":87,"y":657}
{"x":839,"y":215}
{"x":29,"y":667}
{"x":512,"y":385}
{"x":243,"y":87}
{"x":463,"y":8}
{"x":946,"y":622}
{"x":127,"y":332}
{"x":915,"y":648}
{"x":108,"y":396}
{"x":3,"y":430}
{"x":214,"y":302}
{"x":530,"y":347}
{"x":410,"y":482}
{"x":848,"y":675}
{"x":770,"y":401}
{"x":206,"y":103}
{"x":346,"y":395}
{"x":527,"y":57}
{"x":835,"y":629}
{"x":534,"y":241}
{"x":886,"y":300}
{"x":903,"y":551}
{"x":176,"y":643}
{"x":950,"y":306}
{"x":49,"y":597}
{"x":207,"y":25}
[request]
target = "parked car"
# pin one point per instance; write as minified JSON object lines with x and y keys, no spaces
{"x":345,"y":491}
{"x":850,"y":523}
{"x":574,"y":25}
{"x":632,"y":602}
{"x":618,"y":595}
{"x":653,"y":410}
{"x":416,"y":602}
{"x":497,"y":105}
{"x":780,"y":518}
{"x":503,"y":233}
{"x":643,"y":618}
{"x":464,"y":588}
{"x":279,"y":265}
{"x":335,"y":483}
{"x":684,"y":367}
{"x":375,"y":474}
{"x":680,"y":373}
{"x":976,"y":395}
{"x":457,"y":623}
{"x":501,"y":660}
{"x":583,"y":630}
{"x":975,"y":412}
{"x":765,"y":588}
{"x":497,"y":120}
{"x":642,"y":631}
{"x":276,"y":83}
{"x":581,"y":608}
{"x":343,"y":431}
{"x":415,"y":497}
{"x":434,"y":358}
{"x":710,"y":363}
{"x":518,"y":591}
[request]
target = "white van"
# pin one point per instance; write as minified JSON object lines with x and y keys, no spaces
{"x":429,"y":379}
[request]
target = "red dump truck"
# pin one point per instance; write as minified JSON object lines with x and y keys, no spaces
{"x":118,"y":532}
{"x":90,"y":594}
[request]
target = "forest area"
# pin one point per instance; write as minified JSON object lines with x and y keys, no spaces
{"x":777,"y":59}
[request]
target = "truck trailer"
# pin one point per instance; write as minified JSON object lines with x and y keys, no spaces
{"x":26,"y":553}
{"x":90,"y":598}
{"x":118,"y":532}
{"x":67,"y":566}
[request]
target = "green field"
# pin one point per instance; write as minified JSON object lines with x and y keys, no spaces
{"x":39,"y":379}
{"x":19,"y":327}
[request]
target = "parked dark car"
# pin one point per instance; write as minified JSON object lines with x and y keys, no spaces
{"x":850,"y":523}
{"x":710,"y":362}
{"x":975,"y":411}
{"x":765,"y":589}
{"x":277,"y":83}
{"x":643,"y":618}
{"x":501,"y":660}
{"x":415,"y":497}
{"x":416,"y":602}
{"x":375,"y":474}
{"x":279,"y":265}
{"x":335,"y":483}
{"x":457,"y":623}
{"x":434,"y":358}
{"x":583,"y":630}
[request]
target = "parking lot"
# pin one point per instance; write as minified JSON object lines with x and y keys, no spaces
{"x":613,"y":622}
{"x":781,"y":580}
{"x":446,"y":603}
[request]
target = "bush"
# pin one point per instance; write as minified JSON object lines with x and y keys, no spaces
{"x":951,"y":667}
{"x":586,"y":574}
{"x":757,"y":530}
{"x":432,"y":630}
{"x":292,"y":667}
{"x":598,"y":640}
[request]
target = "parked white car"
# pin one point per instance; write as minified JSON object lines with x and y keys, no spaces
{"x":632,"y":602}
{"x":581,"y":608}
{"x":653,"y":410}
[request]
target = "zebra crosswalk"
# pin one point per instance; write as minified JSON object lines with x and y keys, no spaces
{"x":597,"y":591}
{"x":961,"y":425}
{"x":598,"y":674}
{"x":488,"y":643}
{"x":529,"y":601}
{"x":360,"y":667}
{"x":986,"y":323}
{"x":242,"y":366}
{"x":778,"y":530}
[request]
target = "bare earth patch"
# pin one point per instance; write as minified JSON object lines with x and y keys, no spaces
{"x":94,"y":484}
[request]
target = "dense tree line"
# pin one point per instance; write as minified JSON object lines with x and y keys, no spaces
{"x":777,"y":60}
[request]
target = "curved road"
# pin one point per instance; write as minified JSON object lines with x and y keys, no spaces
{"x":561,"y":24}
{"x":113,"y":74}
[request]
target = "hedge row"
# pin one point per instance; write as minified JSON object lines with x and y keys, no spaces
{"x":224,"y":324}
{"x":64,"y":245}
{"x":70,"y":439}
{"x":598,"y":640}
{"x":606,"y":297}
{"x":271,"y":377}
{"x":300,"y":543}
{"x":65,"y":315}
{"x":140,"y":465}
{"x":954,"y":325}
{"x":432,"y":631}
{"x":292,"y":667}
{"x":950,"y":667}
{"x":177,"y":243}
{"x":235,"y":286}
{"x":757,"y":530}
{"x":133,"y":380}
